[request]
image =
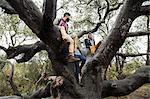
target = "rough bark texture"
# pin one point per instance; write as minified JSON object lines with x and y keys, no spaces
{"x":110,"y":88}
{"x":127,"y":85}
{"x":42,"y":26}
{"x":29,"y":13}
{"x":115,"y":39}
{"x":28,"y":50}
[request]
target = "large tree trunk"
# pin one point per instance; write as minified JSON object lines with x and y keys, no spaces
{"x":111,"y":45}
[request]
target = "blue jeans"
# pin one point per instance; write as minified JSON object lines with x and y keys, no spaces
{"x":78,"y":68}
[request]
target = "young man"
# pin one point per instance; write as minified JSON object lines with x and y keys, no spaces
{"x":89,"y":41}
{"x":64,"y":32}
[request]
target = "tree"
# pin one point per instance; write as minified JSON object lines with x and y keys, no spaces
{"x":51,"y":41}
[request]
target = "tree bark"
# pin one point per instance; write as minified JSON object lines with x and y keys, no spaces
{"x":110,"y":88}
{"x":127,"y":85}
{"x":28,"y":50}
{"x":29,"y":13}
{"x":129,"y":12}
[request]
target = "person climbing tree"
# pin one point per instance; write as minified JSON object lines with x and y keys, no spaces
{"x":78,"y":54}
{"x":89,"y":42}
{"x":64,"y":32}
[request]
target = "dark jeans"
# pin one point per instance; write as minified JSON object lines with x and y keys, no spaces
{"x":78,"y":68}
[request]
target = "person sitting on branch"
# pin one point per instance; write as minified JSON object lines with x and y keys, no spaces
{"x":64,"y":32}
{"x":90,"y":44}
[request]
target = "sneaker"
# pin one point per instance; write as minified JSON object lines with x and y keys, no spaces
{"x":72,"y":59}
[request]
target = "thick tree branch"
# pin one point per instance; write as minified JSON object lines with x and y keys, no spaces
{"x":145,"y":10}
{"x":114,"y":40}
{"x":8,"y":9}
{"x":140,"y":33}
{"x":29,"y":13}
{"x":117,"y":36}
{"x":50,"y":10}
{"x":110,"y":88}
{"x":127,"y":85}
{"x":46,"y":31}
{"x":28,"y":50}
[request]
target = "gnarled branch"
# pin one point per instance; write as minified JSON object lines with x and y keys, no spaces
{"x":28,"y":50}
{"x":29,"y":13}
{"x":111,"y":88}
{"x":108,"y":10}
{"x":127,"y":85}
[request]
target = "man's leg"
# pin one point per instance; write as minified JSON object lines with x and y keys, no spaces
{"x":71,"y":50}
{"x":68,"y":38}
{"x":83,"y":59}
{"x":71,"y":46}
{"x":65,"y":36}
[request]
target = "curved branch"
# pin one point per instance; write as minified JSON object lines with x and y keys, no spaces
{"x":29,"y":13}
{"x":140,"y":33}
{"x":90,"y":31}
{"x":28,"y":50}
{"x":114,"y":40}
{"x":108,"y":10}
{"x":127,"y":85}
{"x":8,"y":9}
{"x":50,"y":11}
{"x":145,"y":10}
{"x":110,"y":88}
{"x":116,"y":37}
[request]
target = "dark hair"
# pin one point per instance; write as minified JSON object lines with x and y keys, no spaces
{"x":65,"y":14}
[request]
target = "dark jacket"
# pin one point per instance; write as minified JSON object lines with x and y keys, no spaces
{"x":88,"y":43}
